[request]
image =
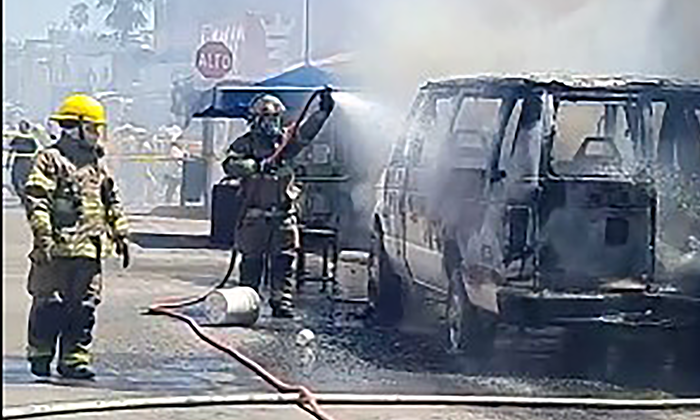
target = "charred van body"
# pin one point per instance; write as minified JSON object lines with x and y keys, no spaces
{"x":533,"y":201}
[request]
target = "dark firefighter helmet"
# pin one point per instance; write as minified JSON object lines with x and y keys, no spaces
{"x":266,"y":104}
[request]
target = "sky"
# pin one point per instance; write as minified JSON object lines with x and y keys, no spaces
{"x":29,"y":18}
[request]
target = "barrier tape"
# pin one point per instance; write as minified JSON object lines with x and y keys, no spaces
{"x":130,"y":157}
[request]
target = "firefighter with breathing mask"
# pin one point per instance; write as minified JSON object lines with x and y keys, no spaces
{"x":268,"y":227}
{"x":76,"y":219}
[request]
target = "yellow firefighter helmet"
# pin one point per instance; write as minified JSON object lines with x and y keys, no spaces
{"x":81,"y":108}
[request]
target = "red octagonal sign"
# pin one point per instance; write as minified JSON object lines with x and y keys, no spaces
{"x":214,"y":60}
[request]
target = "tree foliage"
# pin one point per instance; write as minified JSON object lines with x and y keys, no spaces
{"x":78,"y":15}
{"x":125,"y":16}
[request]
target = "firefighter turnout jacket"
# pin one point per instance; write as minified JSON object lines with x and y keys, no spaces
{"x":274,"y":191}
{"x":73,"y":205}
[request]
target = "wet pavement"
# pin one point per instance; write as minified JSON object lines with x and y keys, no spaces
{"x":146,"y":355}
{"x":351,"y":356}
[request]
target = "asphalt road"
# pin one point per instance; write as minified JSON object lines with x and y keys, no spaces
{"x":140,"y":355}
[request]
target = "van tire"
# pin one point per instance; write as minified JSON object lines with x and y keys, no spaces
{"x":384,"y":286}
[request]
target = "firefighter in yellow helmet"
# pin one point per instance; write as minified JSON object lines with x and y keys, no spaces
{"x":76,"y":219}
{"x":269,"y":225}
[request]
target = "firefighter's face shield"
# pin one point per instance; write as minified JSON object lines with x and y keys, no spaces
{"x":94,"y":133}
{"x":89,"y":133}
{"x":269,"y":123}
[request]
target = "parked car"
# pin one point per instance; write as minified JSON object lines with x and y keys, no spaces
{"x":531,"y":201}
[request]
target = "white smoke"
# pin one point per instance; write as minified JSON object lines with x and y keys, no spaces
{"x":368,"y":128}
{"x":409,"y":41}
{"x":404,"y":43}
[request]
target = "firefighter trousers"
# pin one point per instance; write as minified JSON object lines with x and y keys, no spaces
{"x":276,"y":238}
{"x":65,"y":294}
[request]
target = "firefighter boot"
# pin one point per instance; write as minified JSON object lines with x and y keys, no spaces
{"x":76,"y":339}
{"x":282,"y":311}
{"x":40,"y":366}
{"x":45,"y":323}
{"x":75,"y":363}
{"x":82,"y":371}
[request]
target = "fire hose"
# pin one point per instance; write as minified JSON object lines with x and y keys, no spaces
{"x":295,"y":128}
{"x":305,"y":399}
{"x":150,"y":403}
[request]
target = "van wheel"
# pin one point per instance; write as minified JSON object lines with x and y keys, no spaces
{"x":468,"y":327}
{"x":384,"y":286}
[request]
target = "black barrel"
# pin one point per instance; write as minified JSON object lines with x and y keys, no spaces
{"x":225,"y":206}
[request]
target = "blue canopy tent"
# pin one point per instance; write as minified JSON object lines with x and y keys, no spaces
{"x":292,"y":87}
{"x":303,"y":76}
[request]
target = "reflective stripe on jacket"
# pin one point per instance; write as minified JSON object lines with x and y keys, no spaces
{"x":73,"y":202}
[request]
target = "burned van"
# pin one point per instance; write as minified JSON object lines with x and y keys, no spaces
{"x":532,"y":201}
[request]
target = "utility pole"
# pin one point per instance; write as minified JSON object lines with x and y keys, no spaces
{"x":307,"y":40}
{"x":209,"y":157}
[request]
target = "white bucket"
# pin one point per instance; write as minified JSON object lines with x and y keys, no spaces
{"x":235,"y":306}
{"x":356,"y":257}
{"x":351,"y":274}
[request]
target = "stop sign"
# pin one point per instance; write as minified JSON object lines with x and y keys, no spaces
{"x":214,"y":60}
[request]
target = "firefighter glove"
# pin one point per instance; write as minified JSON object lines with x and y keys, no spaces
{"x":267,"y":166}
{"x":122,"y":245}
{"x":240,"y":167}
{"x":41,"y":254}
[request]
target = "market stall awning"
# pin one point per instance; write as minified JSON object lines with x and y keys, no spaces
{"x":292,"y":87}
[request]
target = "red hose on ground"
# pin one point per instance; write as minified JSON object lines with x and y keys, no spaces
{"x":306,"y":402}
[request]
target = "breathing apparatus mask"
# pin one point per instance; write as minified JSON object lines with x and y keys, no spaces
{"x":87,"y":134}
{"x":266,"y":112}
{"x":269,"y":125}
